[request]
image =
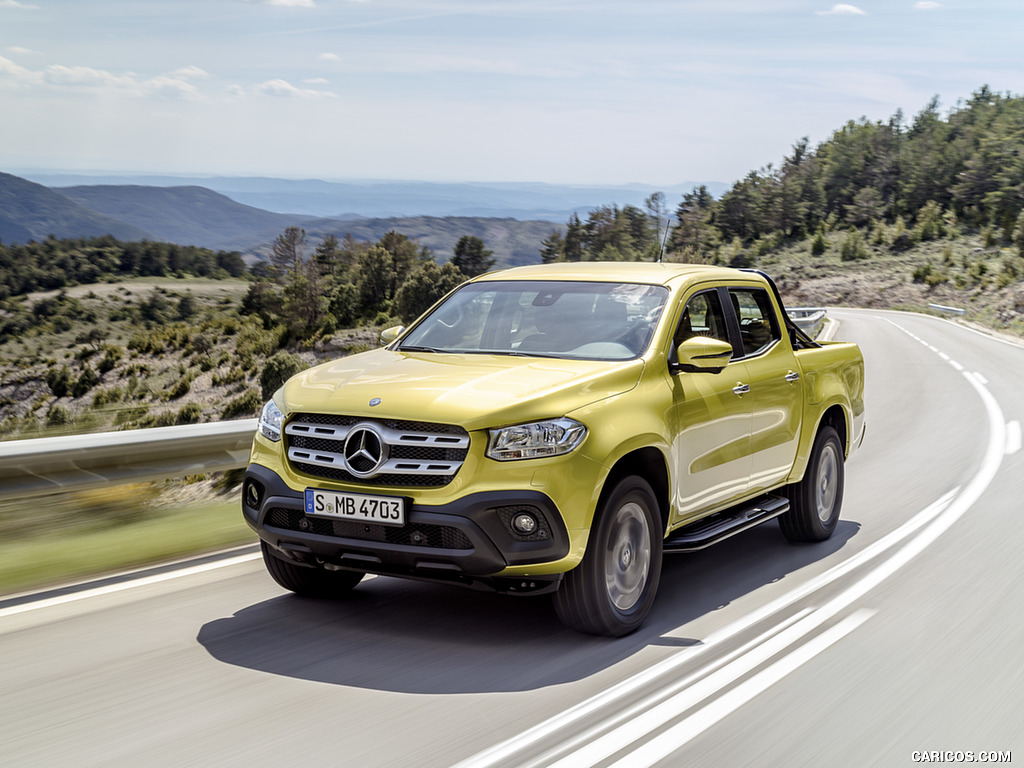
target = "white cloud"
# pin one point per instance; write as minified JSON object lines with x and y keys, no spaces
{"x":926,"y":5}
{"x":842,"y":9}
{"x":191,"y":72}
{"x":328,"y":57}
{"x":89,"y":80}
{"x":16,"y":4}
{"x":279,"y":87}
{"x":316,"y":81}
{"x":293,"y":3}
{"x":19,"y":51}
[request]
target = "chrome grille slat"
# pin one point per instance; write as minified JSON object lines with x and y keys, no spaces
{"x":418,"y":453}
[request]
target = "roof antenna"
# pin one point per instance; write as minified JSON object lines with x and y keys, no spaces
{"x":668,"y":228}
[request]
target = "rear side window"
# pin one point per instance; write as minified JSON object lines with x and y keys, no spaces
{"x":759,"y":327}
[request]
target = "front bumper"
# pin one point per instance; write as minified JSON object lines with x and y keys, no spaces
{"x":467,"y":541}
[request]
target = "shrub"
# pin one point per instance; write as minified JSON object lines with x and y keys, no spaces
{"x":246,"y":404}
{"x":86,"y":381}
{"x":58,"y":416}
{"x":278,"y":369}
{"x":191,"y":413}
{"x":853,"y":247}
{"x":59,"y":380}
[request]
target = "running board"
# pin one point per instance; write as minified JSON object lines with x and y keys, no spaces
{"x":714,"y":528}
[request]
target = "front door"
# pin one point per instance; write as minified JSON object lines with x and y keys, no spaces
{"x":713,"y":418}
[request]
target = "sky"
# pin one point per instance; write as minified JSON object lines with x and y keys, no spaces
{"x":562,"y":91}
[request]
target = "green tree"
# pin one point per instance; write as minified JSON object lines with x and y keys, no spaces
{"x":471,"y":257}
{"x":376,"y":278}
{"x":1018,"y":234}
{"x":552,"y":248}
{"x":286,"y":251}
{"x":280,"y":367}
{"x":424,"y":286}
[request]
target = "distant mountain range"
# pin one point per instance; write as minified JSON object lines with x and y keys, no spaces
{"x":246,"y":214}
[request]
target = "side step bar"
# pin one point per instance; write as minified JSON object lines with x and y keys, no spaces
{"x":714,"y":528}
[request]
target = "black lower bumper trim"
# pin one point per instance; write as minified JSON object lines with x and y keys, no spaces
{"x":463,"y":541}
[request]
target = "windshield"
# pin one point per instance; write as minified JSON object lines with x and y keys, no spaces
{"x":595,"y":321}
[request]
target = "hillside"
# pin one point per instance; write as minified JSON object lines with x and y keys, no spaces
{"x":184,"y":215}
{"x":30,"y":211}
{"x":513,"y":242}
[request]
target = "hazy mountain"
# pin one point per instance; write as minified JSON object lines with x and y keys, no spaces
{"x":185,"y":215}
{"x":382,"y":199}
{"x":30,"y":211}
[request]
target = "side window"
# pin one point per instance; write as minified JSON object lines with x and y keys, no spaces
{"x":703,"y":316}
{"x":759,"y":327}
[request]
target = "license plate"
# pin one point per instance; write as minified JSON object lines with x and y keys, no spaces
{"x":383,"y":510}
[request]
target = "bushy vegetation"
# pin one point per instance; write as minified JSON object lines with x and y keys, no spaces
{"x":53,"y":263}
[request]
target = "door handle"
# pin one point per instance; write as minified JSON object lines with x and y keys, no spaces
{"x":792,"y":376}
{"x":741,"y":389}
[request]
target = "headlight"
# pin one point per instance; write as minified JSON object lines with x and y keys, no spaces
{"x":532,"y":441}
{"x":270,"y":421}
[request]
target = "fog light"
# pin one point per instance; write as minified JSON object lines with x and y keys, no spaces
{"x":253,"y":494}
{"x":524,"y":524}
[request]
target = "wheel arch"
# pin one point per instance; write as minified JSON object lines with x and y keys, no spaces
{"x":648,"y":463}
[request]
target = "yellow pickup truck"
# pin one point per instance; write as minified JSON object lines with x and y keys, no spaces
{"x":556,"y":429}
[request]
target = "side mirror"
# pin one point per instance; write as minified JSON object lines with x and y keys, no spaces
{"x":703,"y":355}
{"x":390,"y":334}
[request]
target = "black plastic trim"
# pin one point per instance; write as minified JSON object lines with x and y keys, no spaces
{"x":493,"y":546}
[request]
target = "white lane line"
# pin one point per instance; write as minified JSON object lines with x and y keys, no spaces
{"x":981,"y":379}
{"x":50,"y":602}
{"x":656,"y":674}
{"x":944,"y":356}
{"x":603,"y":726}
{"x":956,"y":365}
{"x":1013,"y":440}
{"x":678,"y":735}
{"x":654,"y":718}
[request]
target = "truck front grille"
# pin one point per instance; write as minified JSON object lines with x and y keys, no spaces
{"x":413,"y":534}
{"x":381,"y":452}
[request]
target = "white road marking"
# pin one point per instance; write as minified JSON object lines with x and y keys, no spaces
{"x":678,"y":735}
{"x":956,"y":365}
{"x":981,"y":379}
{"x":72,"y":597}
{"x":1013,"y":440}
{"x":656,"y":673}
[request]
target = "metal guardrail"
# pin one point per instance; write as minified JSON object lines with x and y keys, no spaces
{"x":77,"y":462}
{"x":948,"y":310}
{"x":810,"y":320}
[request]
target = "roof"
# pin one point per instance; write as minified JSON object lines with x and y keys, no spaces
{"x":616,"y":271}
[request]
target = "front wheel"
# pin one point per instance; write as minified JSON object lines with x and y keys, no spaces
{"x":815,"y":501}
{"x":611,"y":591}
{"x":307,"y":581}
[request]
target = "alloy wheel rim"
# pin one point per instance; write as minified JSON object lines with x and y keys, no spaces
{"x":628,"y":564}
{"x":827,"y":485}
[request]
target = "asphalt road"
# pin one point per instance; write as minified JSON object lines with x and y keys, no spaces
{"x":902,"y":634}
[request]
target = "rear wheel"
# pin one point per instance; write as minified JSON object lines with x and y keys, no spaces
{"x":308,"y":581}
{"x":815,"y":502}
{"x":611,"y":591}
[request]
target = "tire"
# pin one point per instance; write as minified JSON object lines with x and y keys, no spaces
{"x":306,"y":580}
{"x":611,"y":591}
{"x":815,"y":502}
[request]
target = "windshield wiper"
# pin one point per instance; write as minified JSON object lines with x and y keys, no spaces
{"x":416,"y":348}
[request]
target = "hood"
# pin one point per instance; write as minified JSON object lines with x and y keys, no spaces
{"x":473,"y":391}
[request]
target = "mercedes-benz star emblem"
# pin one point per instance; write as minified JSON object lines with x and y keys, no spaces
{"x":365,"y":450}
